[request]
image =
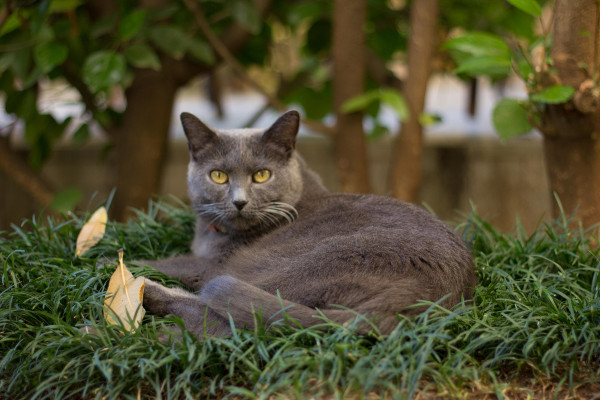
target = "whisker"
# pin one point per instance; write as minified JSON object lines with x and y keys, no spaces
{"x":276,"y":210}
{"x":215,"y":213}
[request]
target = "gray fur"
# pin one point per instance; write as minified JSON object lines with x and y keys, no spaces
{"x":298,"y":247}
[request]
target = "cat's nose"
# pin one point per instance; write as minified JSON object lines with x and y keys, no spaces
{"x":239,"y":204}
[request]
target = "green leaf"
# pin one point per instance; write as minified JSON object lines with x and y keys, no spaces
{"x":21,"y":103}
{"x":478,"y":44}
{"x":531,"y":7}
{"x":301,"y":11}
{"x":395,"y":100}
{"x":245,"y":12}
{"x":81,"y":135}
{"x":142,"y":56}
{"x":201,"y":51}
{"x":524,"y":69}
{"x":104,"y":26}
{"x":389,"y":97}
{"x":33,"y":77}
{"x":360,"y":102}
{"x":386,"y":42}
{"x":131,"y":24}
{"x":62,"y":6}
{"x":318,"y":37}
{"x":426,"y":119}
{"x":377,"y":132}
{"x":103,"y":69}
{"x":13,"y":22}
{"x":494,"y":66}
{"x":40,"y":133}
{"x":510,"y":119}
{"x":170,"y":39}
{"x":22,"y":62}
{"x":556,"y":94}
{"x":6,"y":61}
{"x":315,"y":103}
{"x":50,"y":54}
{"x":66,"y":200}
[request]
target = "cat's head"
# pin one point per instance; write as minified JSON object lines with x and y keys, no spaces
{"x":246,"y":178}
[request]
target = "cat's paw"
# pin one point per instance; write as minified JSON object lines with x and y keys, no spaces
{"x":162,"y":300}
{"x":156,"y":298}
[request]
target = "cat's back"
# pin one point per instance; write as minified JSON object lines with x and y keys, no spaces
{"x":371,"y":218}
{"x":362,"y":233}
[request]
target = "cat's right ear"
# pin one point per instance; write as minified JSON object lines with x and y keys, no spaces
{"x":282,"y":133}
{"x":198,"y":134}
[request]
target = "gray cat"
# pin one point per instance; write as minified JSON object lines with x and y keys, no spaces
{"x":270,"y":237}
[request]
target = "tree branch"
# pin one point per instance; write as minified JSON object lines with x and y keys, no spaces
{"x":224,"y":53}
{"x":23,"y":174}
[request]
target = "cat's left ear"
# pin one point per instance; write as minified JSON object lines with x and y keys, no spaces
{"x":283,"y":132}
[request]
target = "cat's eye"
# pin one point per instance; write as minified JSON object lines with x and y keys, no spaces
{"x":219,"y":177}
{"x":261,"y":176}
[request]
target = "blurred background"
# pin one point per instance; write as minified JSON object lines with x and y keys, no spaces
{"x":453,"y":105}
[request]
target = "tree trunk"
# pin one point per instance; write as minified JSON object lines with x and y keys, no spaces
{"x":405,"y":177}
{"x":348,"y":50}
{"x":142,"y":140}
{"x":572,"y":130}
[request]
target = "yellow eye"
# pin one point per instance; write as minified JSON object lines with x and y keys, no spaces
{"x":218,"y":176}
{"x":261,"y":176}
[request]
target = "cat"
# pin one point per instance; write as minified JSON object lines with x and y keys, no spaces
{"x":271,"y":240}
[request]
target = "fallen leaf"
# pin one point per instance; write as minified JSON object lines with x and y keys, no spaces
{"x":124,"y":297}
{"x":92,"y":231}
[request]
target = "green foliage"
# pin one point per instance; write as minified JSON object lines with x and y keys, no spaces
{"x":529,"y":6}
{"x":171,"y":39}
{"x":478,"y":53}
{"x":553,"y":94}
{"x":131,"y":24}
{"x":510,"y":118}
{"x":535,"y":311}
{"x":310,"y":84}
{"x":390,"y":97}
{"x":104,"y":69}
{"x":63,"y":39}
{"x":49,"y":55}
{"x":142,"y":56}
{"x":244,"y":12}
{"x":477,"y":44}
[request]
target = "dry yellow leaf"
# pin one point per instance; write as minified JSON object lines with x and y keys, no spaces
{"x":92,"y":231}
{"x":124,"y":298}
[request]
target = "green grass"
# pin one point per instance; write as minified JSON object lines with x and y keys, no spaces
{"x":534,"y":318}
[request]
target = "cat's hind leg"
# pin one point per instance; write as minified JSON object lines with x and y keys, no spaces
{"x":198,"y":318}
{"x":228,"y":296}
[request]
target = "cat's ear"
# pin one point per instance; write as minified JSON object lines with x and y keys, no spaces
{"x":283,"y":132}
{"x":198,"y":134}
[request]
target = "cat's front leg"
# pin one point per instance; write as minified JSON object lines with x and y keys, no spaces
{"x":198,"y":318}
